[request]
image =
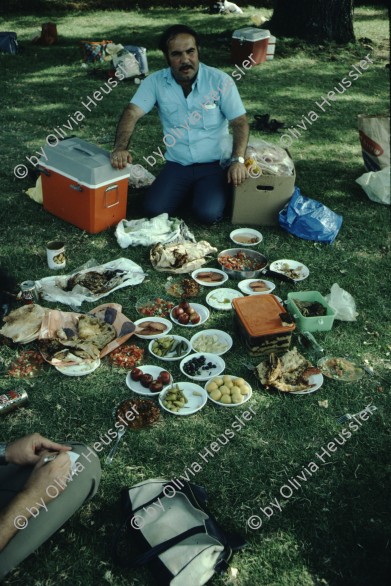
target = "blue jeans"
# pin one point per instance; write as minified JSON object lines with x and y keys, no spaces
{"x":203,"y":185}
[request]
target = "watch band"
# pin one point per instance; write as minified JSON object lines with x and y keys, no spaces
{"x":3,"y":447}
{"x":237,"y":160}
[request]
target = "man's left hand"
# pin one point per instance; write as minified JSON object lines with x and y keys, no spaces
{"x":237,"y":174}
{"x":28,"y":449}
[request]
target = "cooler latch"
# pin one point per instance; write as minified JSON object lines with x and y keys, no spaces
{"x":110,"y":205}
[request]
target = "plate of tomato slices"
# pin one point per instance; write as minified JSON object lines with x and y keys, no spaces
{"x":28,"y":364}
{"x":126,"y":356}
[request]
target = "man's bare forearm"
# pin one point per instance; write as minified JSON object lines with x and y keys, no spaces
{"x":240,"y":133}
{"x":10,"y":519}
{"x":126,"y":126}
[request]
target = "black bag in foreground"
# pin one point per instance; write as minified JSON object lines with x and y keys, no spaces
{"x":178,"y":537}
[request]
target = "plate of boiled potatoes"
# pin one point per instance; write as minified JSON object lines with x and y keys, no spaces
{"x":228,"y":390}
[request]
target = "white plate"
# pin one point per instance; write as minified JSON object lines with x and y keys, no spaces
{"x":217,"y":369}
{"x":246,"y":397}
{"x":138,"y":388}
{"x":246,"y":232}
{"x":160,"y":320}
{"x":200,"y":309}
{"x":244,"y":286}
{"x":217,"y":284}
{"x":222,"y":298}
{"x":194,"y":402}
{"x":291,"y":264}
{"x":222,"y":338}
{"x":79,"y":369}
{"x":170,"y":356}
{"x":316,"y":380}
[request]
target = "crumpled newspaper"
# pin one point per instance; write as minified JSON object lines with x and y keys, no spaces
{"x":180,"y":258}
{"x":148,"y":232}
{"x":52,"y":288}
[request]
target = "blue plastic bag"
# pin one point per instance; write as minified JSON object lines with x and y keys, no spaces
{"x":309,"y":219}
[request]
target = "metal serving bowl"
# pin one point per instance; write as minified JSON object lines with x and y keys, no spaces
{"x":257,"y":256}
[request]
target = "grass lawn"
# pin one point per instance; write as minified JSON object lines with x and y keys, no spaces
{"x":334,"y":528}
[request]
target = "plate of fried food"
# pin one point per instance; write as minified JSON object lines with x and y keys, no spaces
{"x":184,"y":288}
{"x":340,"y":369}
{"x":256,"y":286}
{"x":289,"y":373}
{"x":209,"y":277}
{"x":290,"y":268}
{"x":150,"y":328}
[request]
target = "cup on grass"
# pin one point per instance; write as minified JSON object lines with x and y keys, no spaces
{"x":55,"y":252}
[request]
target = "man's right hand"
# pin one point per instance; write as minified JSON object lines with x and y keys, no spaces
{"x":44,"y":475}
{"x":120,"y":158}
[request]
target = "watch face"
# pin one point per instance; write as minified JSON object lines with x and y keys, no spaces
{"x":237,"y":160}
{"x":240,"y":160}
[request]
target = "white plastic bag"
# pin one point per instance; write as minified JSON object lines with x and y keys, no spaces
{"x":376,"y":185}
{"x":342,"y":302}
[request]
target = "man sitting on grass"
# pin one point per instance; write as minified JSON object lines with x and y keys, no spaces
{"x":195,"y":104}
{"x":38,"y":493}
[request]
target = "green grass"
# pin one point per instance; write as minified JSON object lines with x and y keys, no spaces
{"x":335,"y":529}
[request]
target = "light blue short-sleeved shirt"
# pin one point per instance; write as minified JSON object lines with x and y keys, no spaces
{"x":194,"y":126}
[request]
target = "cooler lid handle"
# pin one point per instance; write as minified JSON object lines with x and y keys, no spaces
{"x":84,"y":150}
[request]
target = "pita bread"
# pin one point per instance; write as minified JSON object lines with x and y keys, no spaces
{"x":23,"y":324}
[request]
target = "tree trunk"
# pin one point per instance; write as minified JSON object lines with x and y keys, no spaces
{"x":313,"y":20}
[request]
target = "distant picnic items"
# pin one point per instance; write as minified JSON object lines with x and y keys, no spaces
{"x":48,"y":35}
{"x":94,"y":51}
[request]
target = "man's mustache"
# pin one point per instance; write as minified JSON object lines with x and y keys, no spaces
{"x":186,"y":67}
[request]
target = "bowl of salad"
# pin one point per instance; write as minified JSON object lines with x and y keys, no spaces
{"x":242,"y":263}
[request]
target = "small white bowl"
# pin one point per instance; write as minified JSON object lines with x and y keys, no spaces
{"x":244,"y":286}
{"x":160,"y":320}
{"x":171,"y":357}
{"x":243,"y":232}
{"x":202,"y":311}
{"x":196,"y":398}
{"x":206,"y":284}
{"x":221,"y":338}
{"x":219,"y":365}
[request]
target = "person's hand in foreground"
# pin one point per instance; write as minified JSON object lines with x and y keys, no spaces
{"x":120,"y":158}
{"x":28,"y":450}
{"x":237,"y":174}
{"x":35,"y":494}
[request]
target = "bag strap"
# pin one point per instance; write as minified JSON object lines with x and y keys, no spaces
{"x":155,"y":551}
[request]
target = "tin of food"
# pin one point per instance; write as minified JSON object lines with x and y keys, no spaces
{"x":55,"y":253}
{"x":28,"y":292}
{"x":12,"y":399}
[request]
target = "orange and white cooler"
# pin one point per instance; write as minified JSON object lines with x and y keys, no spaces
{"x":249,"y":41}
{"x":80,"y":186}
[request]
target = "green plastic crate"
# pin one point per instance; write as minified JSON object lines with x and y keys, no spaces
{"x":310,"y":324}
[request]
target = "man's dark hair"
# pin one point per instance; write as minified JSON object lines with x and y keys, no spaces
{"x":172,"y":32}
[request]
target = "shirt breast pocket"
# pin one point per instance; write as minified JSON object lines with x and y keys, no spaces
{"x":170,"y":113}
{"x":211,"y":116}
